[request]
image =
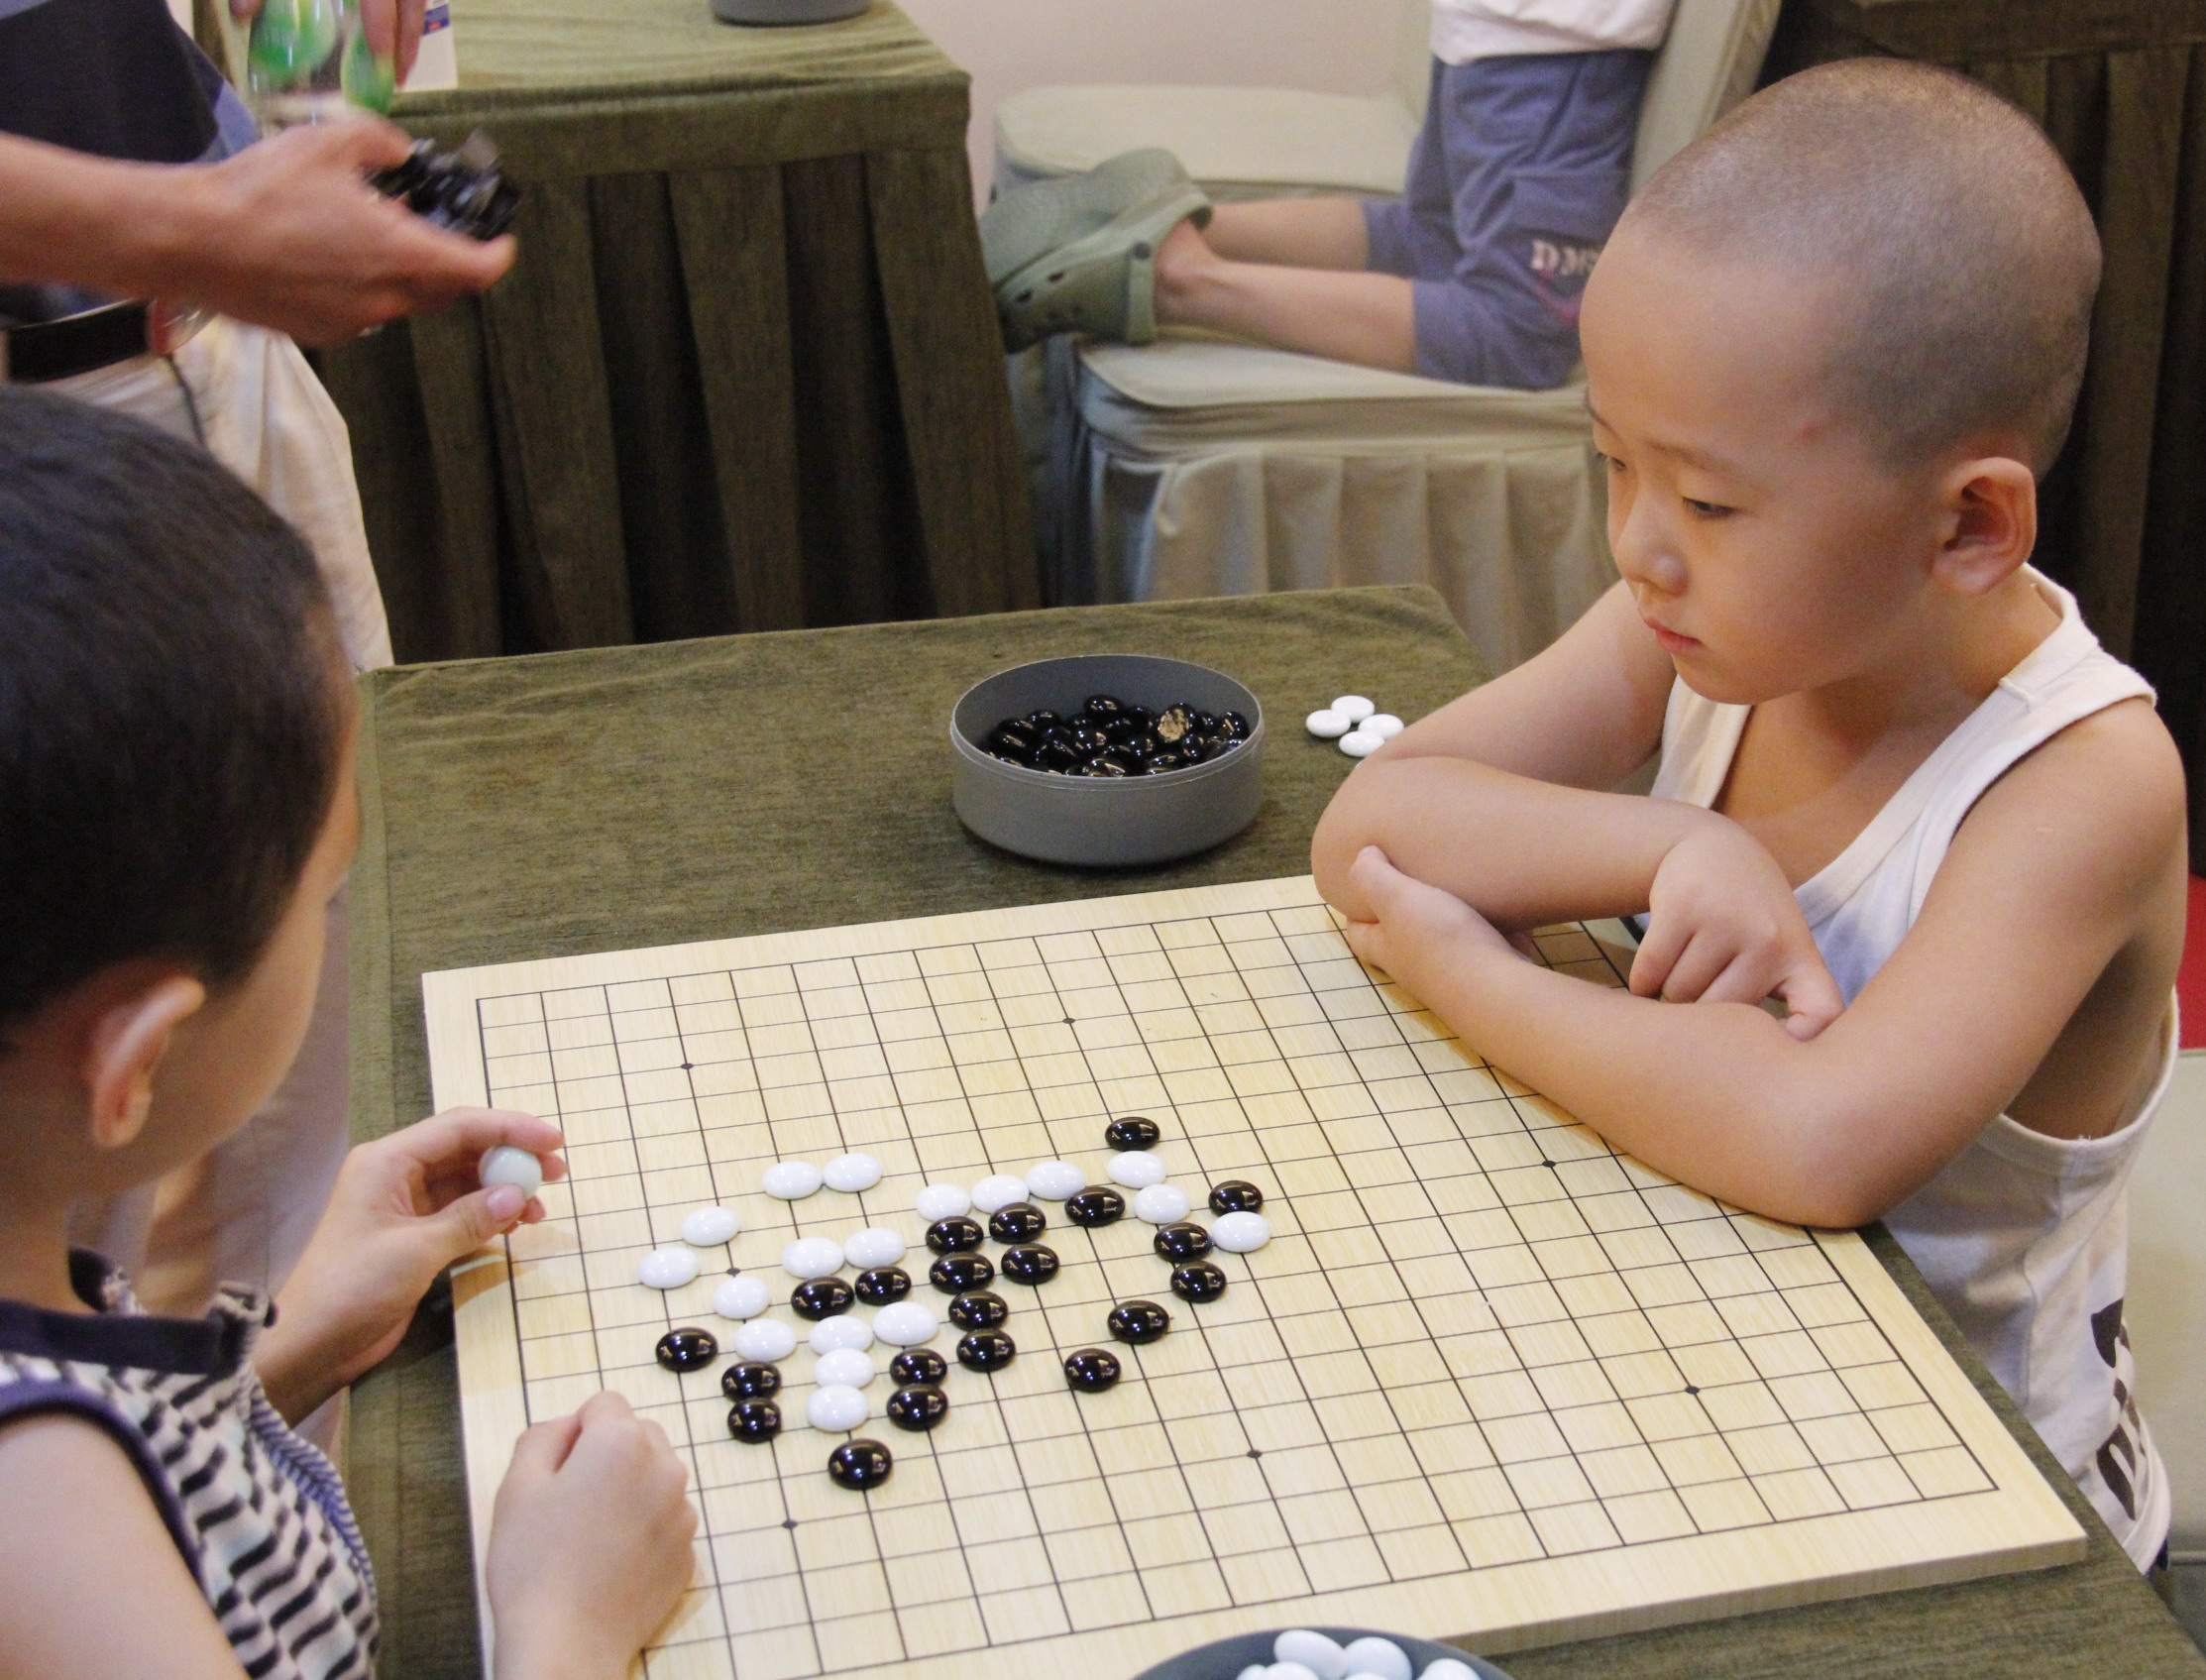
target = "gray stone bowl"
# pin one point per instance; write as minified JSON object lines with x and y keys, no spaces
{"x":777,"y":12}
{"x":1091,"y":821}
{"x":1222,"y":1659}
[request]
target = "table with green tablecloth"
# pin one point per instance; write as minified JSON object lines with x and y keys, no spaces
{"x":745,"y":374}
{"x":621,"y":797}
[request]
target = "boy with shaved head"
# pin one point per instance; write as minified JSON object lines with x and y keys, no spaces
{"x":1913,"y":871}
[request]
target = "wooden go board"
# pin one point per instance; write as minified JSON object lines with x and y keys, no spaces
{"x":1490,"y":1380}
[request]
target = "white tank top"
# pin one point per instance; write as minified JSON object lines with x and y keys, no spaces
{"x":2023,"y":1237}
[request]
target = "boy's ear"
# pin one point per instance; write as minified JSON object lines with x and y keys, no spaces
{"x":1991,"y":507}
{"x":126,"y":1044}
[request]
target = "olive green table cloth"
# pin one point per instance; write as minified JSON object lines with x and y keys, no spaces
{"x":2120,"y":85}
{"x":604,"y":799}
{"x":745,"y":374}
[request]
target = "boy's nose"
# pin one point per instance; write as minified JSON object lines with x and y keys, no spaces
{"x":1645,"y":558}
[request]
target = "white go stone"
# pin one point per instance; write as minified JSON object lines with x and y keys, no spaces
{"x":852,"y":1172}
{"x":507,"y":1163}
{"x":1053,"y":1181}
{"x":999,"y":1191}
{"x":906,"y":1324}
{"x":1327,"y":724}
{"x":791,"y":1180}
{"x":1160,"y":1204}
{"x":1290,"y":1671}
{"x":844,"y":1368}
{"x":667,"y":1267}
{"x":765,"y":1339}
{"x":811,"y":1257}
{"x":877,"y":1245}
{"x":1448,"y":1668}
{"x":1254,"y":1672}
{"x":836,"y":1406}
{"x":1384,"y":725}
{"x":740,"y":1298}
{"x":1360,"y":744}
{"x":1354,"y":707}
{"x":1382,"y":1657}
{"x":843,"y":1333}
{"x":709,"y":1227}
{"x":941,"y":1201}
{"x":1137,"y":1170}
{"x":1315,"y":1651}
{"x":1240,"y":1233}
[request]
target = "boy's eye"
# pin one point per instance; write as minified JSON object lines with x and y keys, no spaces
{"x":1707,"y":509}
{"x":1609,"y":462}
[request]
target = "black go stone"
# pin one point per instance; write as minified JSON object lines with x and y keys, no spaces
{"x":750,"y":1382}
{"x":1090,"y":1369}
{"x":883,"y":1285}
{"x":1172,"y":724}
{"x":754,"y":1421}
{"x":1132,"y":1132}
{"x":1235,"y":1195}
{"x":917,"y":1405}
{"x":1017,"y":1222}
{"x":1139,"y":1321}
{"x":1183,"y":1241}
{"x":986,"y":1350}
{"x":687,"y":1349}
{"x":979,"y":1311}
{"x":821,"y":1297}
{"x":1236,"y":726}
{"x":918,"y":1365}
{"x":1098,"y":1206}
{"x":1030,"y":1264}
{"x":859,"y":1465}
{"x":1197,"y":1281}
{"x":961,"y":1273}
{"x":1103,"y":707}
{"x":954,"y":1235}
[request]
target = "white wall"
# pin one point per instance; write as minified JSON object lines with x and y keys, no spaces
{"x":1326,"y":46}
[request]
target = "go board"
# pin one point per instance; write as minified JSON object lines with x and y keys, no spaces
{"x":1490,"y":1380}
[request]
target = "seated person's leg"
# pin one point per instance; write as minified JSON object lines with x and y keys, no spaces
{"x":1299,"y":233}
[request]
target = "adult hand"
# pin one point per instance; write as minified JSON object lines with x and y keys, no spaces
{"x":393,"y":28}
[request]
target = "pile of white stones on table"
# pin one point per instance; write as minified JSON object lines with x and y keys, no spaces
{"x":1301,"y":1653}
{"x":1355,"y":723}
{"x":1110,"y":737}
{"x":842,"y":1344}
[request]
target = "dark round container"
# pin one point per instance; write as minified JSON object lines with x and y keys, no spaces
{"x":1222,"y":1659}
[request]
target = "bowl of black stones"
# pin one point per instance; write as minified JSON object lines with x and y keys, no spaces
{"x":1107,"y":759}
{"x":1324,"y":1653}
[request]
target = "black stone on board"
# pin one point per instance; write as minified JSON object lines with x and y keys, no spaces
{"x":980,"y":1310}
{"x":1139,"y":1321}
{"x":1017,"y":1222}
{"x":1097,"y":1207}
{"x":686,"y":1348}
{"x":1235,"y":1195}
{"x":753,"y":1420}
{"x":957,"y":1273}
{"x":1029,"y":1263}
{"x":750,"y":1381}
{"x":859,"y":1465}
{"x":954,"y":1235}
{"x":918,"y":1365}
{"x":821,"y":1297}
{"x":1132,"y":1132}
{"x":883,"y":1285}
{"x":986,"y":1350}
{"x":1090,"y":1369}
{"x":1183,"y":1241}
{"x":1197,"y":1281}
{"x":917,"y":1405}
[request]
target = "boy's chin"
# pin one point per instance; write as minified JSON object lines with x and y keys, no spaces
{"x":1711,"y":681}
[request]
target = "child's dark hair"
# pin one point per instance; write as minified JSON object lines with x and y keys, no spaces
{"x":170,"y":705}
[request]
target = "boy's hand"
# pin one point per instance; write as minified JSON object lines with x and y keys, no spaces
{"x":589,"y":1545}
{"x":1723,"y":927}
{"x":1412,"y":922}
{"x":405,"y":1207}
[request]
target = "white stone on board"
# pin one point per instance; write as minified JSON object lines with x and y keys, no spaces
{"x":1241,"y":1233}
{"x":1053,"y":1181}
{"x":1137,"y":1168}
{"x":843,"y":1331}
{"x":837,"y":1408}
{"x":1360,"y":744}
{"x":1384,"y":725}
{"x":906,"y":1324}
{"x":811,"y":1257}
{"x":852,"y":1173}
{"x":844,"y":1368}
{"x":740,"y":1298}
{"x":791,"y":1180}
{"x":709,"y":1227}
{"x":667,"y":1267}
{"x":1382,"y":1657}
{"x":1327,"y":724}
{"x":941,"y":1201}
{"x":1000,"y":1189}
{"x":507,"y":1163}
{"x":1315,"y":1651}
{"x":1354,"y":707}
{"x":877,"y":1245}
{"x":768,"y":1339}
{"x":1160,"y":1204}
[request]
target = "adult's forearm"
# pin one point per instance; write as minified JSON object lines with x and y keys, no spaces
{"x":69,"y":219}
